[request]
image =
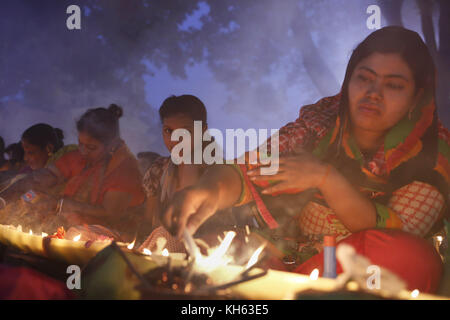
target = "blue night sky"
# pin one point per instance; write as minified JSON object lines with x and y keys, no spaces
{"x":245,"y":73}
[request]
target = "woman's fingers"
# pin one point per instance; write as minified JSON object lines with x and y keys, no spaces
{"x":282,"y":186}
{"x":278,"y":176}
{"x":189,"y":208}
{"x":197,"y":219}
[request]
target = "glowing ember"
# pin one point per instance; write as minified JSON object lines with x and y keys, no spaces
{"x":255,"y":255}
{"x":131,"y":245}
{"x":44,"y":234}
{"x":165,"y":253}
{"x":147,"y":252}
{"x":415,"y":294}
{"x":78,"y":237}
{"x":314,"y":274}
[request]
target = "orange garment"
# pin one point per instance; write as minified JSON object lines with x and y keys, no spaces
{"x":89,"y":184}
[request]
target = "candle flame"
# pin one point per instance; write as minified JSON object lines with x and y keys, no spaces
{"x":131,"y":245}
{"x":44,"y":234}
{"x":217,"y":257}
{"x":255,"y":256}
{"x":147,"y":252}
{"x":76,"y":238}
{"x":165,"y":253}
{"x":31,"y":232}
{"x":439,"y":238}
{"x":314,"y":274}
{"x":415,"y":293}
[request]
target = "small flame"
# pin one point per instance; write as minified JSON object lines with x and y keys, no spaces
{"x":217,"y":257}
{"x":314,"y":274}
{"x":76,"y":238}
{"x":31,"y":232}
{"x":415,"y":293}
{"x":44,"y":234}
{"x":131,"y":245}
{"x":165,"y":253}
{"x":439,"y":239}
{"x":147,"y":252}
{"x":255,"y":256}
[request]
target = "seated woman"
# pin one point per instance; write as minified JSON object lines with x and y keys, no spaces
{"x":102,"y":180}
{"x":163,"y":178}
{"x":375,"y":155}
{"x":43,"y":145}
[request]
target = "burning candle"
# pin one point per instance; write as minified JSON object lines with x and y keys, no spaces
{"x":165,"y":253}
{"x":147,"y":252}
{"x":255,"y":256}
{"x":76,"y":238}
{"x":131,"y":245}
{"x":44,"y":234}
{"x":415,"y":293}
{"x":31,"y":232}
{"x":314,"y":274}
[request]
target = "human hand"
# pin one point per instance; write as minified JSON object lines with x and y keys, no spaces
{"x":189,"y":209}
{"x":295,"y":174}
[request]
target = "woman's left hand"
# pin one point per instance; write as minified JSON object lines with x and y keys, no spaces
{"x":295,"y":173}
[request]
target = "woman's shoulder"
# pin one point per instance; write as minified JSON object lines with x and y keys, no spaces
{"x":154,"y":173}
{"x":320,"y":116}
{"x":63,"y":151}
{"x":157,"y":167}
{"x":324,"y":109}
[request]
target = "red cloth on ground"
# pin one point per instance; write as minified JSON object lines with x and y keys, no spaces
{"x":408,"y":256}
{"x":19,"y":283}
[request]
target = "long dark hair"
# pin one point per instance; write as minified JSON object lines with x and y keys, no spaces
{"x":186,"y":104}
{"x":101,"y":123}
{"x":42,"y":134}
{"x":415,"y":53}
{"x":412,"y":49}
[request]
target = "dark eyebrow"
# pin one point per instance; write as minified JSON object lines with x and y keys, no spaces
{"x":387,"y":76}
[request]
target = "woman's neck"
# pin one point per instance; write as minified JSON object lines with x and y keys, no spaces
{"x":368,"y":141}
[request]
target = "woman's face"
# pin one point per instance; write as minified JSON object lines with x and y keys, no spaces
{"x":90,"y":148}
{"x":35,"y":156}
{"x":170,"y":124}
{"x":381,"y":92}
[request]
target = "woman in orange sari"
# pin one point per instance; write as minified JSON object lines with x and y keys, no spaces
{"x":102,"y":179}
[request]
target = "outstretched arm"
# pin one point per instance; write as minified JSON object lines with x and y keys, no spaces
{"x":218,"y":188}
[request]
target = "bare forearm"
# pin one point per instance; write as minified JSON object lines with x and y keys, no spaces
{"x":352,"y":208}
{"x":226,"y":181}
{"x":73,"y":206}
